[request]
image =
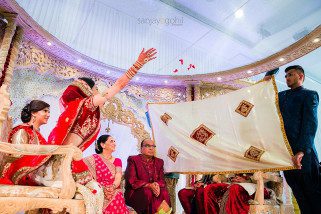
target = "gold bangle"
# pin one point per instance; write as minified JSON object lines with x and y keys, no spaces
{"x":136,"y":67}
{"x":128,"y":76}
{"x":139,"y":64}
{"x":130,"y":73}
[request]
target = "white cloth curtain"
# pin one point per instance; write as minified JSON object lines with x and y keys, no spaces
{"x":234,"y":134}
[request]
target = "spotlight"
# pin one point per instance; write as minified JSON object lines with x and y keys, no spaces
{"x":239,"y":14}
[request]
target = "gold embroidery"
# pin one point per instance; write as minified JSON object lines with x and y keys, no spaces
{"x":88,"y":127}
{"x":165,"y":118}
{"x":202,"y":134}
{"x":82,"y":177}
{"x":20,"y":137}
{"x":23,"y":171}
{"x":172,"y":153}
{"x":254,"y":153}
{"x":244,"y":108}
{"x":83,"y":86}
{"x":67,"y":119}
{"x":89,"y":103}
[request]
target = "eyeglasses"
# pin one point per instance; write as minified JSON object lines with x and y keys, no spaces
{"x":149,"y":146}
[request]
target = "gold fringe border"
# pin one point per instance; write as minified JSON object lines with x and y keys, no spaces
{"x":83,"y":86}
{"x":287,"y":144}
{"x":238,"y":171}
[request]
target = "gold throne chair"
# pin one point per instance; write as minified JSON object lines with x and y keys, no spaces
{"x":17,"y":198}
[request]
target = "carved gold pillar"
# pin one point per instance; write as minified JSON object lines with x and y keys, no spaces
{"x":13,"y":56}
{"x":4,"y":95}
{"x":7,"y":38}
{"x":197,"y":92}
{"x":189,"y":90}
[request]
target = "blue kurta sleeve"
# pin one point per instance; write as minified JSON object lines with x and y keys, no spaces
{"x":310,"y":122}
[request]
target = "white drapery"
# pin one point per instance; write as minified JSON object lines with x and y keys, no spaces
{"x":228,"y":141}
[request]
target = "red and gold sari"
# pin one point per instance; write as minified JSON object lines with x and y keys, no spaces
{"x":17,"y":170}
{"x":104,"y":173}
{"x":81,"y":117}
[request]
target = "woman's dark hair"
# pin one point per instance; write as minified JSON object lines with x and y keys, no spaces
{"x":33,"y":106}
{"x":89,"y":81}
{"x":101,"y":139}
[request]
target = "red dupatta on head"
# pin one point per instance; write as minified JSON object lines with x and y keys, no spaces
{"x":72,"y":100}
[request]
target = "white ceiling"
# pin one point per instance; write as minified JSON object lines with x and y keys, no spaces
{"x":202,"y":32}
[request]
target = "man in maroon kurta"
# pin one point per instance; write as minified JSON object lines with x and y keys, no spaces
{"x":145,"y":185}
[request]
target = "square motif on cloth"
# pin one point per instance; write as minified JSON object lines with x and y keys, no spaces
{"x":202,"y":134}
{"x":172,"y":153}
{"x":254,"y":153}
{"x":165,"y":118}
{"x":244,"y":108}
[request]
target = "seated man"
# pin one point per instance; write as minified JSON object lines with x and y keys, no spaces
{"x":192,"y":200}
{"x":232,"y":197}
{"x":145,"y":188}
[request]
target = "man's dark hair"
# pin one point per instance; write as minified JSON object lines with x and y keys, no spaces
{"x":142,"y":143}
{"x":295,"y":67}
{"x":89,"y":81}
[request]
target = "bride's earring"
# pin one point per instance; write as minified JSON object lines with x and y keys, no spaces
{"x":33,"y":119}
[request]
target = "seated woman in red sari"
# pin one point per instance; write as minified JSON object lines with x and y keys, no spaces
{"x":230,"y":198}
{"x":107,"y":171}
{"x":18,"y":170}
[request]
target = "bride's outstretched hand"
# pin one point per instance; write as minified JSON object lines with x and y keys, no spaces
{"x":146,"y":56}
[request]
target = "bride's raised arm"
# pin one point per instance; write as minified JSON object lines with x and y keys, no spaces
{"x":143,"y":58}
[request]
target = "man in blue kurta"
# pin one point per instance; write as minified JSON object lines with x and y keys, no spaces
{"x":298,"y":107}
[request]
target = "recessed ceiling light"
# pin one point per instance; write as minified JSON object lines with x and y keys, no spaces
{"x":239,"y":13}
{"x":249,"y":71}
{"x":316,"y":40}
{"x":79,"y":60}
{"x":49,"y":43}
{"x":281,"y":59}
{"x":166,"y":81}
{"x":219,"y":78}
